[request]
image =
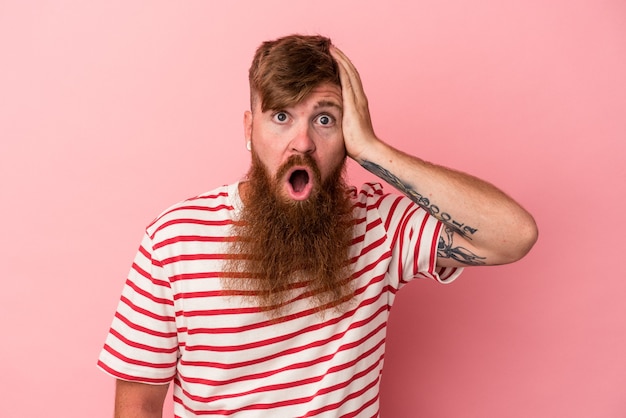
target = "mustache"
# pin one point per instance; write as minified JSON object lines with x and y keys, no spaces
{"x":299,"y":160}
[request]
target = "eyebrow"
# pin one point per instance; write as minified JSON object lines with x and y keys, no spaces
{"x":328,"y":103}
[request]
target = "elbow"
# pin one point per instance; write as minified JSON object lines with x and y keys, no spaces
{"x":529,"y":238}
{"x":525,"y":236}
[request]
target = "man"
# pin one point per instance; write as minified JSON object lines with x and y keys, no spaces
{"x":270,"y":296}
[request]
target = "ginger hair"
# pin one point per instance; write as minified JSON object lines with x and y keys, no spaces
{"x":285,"y":70}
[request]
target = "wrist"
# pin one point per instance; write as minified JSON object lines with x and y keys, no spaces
{"x":373,"y":150}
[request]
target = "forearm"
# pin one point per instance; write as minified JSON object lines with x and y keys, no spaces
{"x":499,"y":230}
{"x":483,"y":225}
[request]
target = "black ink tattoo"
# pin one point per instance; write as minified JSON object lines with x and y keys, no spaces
{"x":445,"y":249}
{"x":458,"y":227}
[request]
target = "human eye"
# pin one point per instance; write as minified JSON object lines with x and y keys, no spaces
{"x":280,"y":117}
{"x":325,"y":120}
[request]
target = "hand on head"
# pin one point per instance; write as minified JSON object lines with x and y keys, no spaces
{"x":358,"y":132}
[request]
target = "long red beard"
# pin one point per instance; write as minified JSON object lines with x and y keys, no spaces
{"x":287,"y":250}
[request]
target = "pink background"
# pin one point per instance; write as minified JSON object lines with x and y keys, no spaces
{"x":110,"y":111}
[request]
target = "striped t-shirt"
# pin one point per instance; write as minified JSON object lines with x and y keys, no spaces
{"x":225,"y":356}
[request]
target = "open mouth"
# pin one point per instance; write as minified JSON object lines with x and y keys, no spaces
{"x":300,"y":183}
{"x":299,"y":179}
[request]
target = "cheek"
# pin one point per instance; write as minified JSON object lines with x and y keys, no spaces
{"x":269,"y":162}
{"x":266,"y":147}
{"x":333,"y":160}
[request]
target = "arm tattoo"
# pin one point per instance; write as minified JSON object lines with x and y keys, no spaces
{"x":424,"y":202}
{"x":445,"y":249}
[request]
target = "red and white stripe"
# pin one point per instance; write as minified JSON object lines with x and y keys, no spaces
{"x":226,"y":358}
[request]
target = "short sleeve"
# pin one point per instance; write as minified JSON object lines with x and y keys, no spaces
{"x":142,"y":342}
{"x":413,"y":235}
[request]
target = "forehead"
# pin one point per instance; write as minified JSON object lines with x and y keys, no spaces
{"x":326,"y":89}
{"x":326,"y":95}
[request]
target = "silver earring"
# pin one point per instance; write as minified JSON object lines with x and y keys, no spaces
{"x":249,"y":145}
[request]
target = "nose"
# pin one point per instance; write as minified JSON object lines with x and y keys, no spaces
{"x":302,"y":141}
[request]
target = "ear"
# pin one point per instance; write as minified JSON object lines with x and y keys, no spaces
{"x":247,"y":126}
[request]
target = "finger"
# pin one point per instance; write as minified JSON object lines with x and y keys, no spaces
{"x":351,"y":70}
{"x":341,"y":65}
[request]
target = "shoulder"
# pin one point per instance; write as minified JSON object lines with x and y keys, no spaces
{"x":368,"y":193}
{"x":212,"y":206}
{"x":372,"y":197}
